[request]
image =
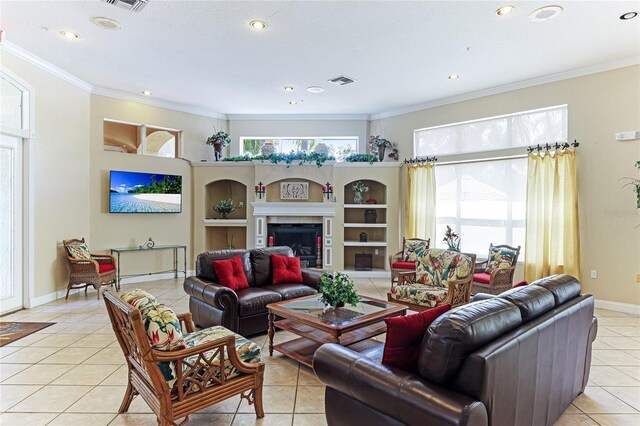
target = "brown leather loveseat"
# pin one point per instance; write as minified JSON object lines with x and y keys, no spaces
{"x":518,"y":358}
{"x":243,"y":311}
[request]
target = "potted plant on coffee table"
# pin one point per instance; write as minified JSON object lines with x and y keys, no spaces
{"x":224,"y":207}
{"x":338,"y":290}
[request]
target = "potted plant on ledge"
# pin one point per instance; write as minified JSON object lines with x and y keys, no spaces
{"x":218,"y":141}
{"x":224,"y":207}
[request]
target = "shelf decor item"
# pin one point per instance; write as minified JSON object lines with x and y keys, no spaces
{"x":218,"y":141}
{"x":452,"y":239}
{"x":224,"y":207}
{"x":364,"y":237}
{"x":370,"y":216}
{"x":327,"y":190}
{"x":261,"y":189}
{"x":338,"y":290}
{"x":148,"y":245}
{"x":364,"y":262}
{"x":359,"y":188}
{"x":379,"y":145}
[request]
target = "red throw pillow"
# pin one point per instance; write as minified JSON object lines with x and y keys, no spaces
{"x":286,"y":270}
{"x":404,"y":336}
{"x":520,"y":284}
{"x":230,"y":273}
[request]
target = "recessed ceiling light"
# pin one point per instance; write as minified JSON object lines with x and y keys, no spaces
{"x":545,"y":13}
{"x":106,"y":23}
{"x":629,"y":15}
{"x":69,"y":35}
{"x":293,"y":102}
{"x":315,"y":89}
{"x":505,"y":10}
{"x":288,"y":88}
{"x":146,"y":93}
{"x":258,"y":25}
{"x":454,"y":77}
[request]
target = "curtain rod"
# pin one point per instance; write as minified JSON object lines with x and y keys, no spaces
{"x":418,"y":160}
{"x":556,"y":146}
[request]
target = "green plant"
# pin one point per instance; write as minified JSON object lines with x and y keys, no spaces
{"x":238,"y":158}
{"x":452,"y":239}
{"x":220,"y":139}
{"x":359,"y":187}
{"x":635,"y":183}
{"x":224,"y":207}
{"x":338,"y":290}
{"x":361,"y":158}
{"x":302,"y":157}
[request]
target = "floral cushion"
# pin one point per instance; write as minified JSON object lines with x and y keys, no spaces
{"x":414,"y":249}
{"x":248,"y":352}
{"x":438,"y":266}
{"x":163,"y":328}
{"x":500,"y":257}
{"x":140,"y":300}
{"x":419,"y":294}
{"x":79,"y":251}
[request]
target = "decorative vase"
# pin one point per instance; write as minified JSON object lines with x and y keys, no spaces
{"x":224,"y":214}
{"x":217,"y":152}
{"x":381,"y":150}
{"x":370,"y":216}
{"x":357,"y":198}
{"x":364,"y":237}
{"x":267,"y":149}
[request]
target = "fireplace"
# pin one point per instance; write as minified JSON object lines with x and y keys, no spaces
{"x":302,"y":238}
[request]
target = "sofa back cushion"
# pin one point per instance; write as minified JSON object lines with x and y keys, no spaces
{"x":205,"y":269}
{"x":563,"y":287}
{"x":454,"y":335}
{"x":414,"y":248}
{"x":286,"y":269}
{"x":261,"y":263}
{"x":500,"y":257}
{"x":533,"y":301}
{"x":230,"y":273}
{"x":437,"y":267}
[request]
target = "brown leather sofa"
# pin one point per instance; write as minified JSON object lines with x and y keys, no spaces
{"x":243,"y":311}
{"x":518,"y":358}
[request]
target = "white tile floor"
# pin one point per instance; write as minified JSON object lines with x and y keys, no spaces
{"x":73,"y":373}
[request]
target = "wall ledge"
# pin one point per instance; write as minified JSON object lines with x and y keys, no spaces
{"x":627,"y":308}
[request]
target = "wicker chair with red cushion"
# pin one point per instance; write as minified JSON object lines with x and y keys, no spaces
{"x":495,"y":274}
{"x":405,"y":260}
{"x":88,"y":269}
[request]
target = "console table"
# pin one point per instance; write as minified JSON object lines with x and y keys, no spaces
{"x":119,"y":251}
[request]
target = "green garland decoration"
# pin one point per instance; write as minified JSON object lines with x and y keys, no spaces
{"x":302,"y":157}
{"x":361,"y":158}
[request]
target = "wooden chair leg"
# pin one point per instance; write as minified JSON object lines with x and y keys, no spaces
{"x":258,"y":402}
{"x":126,"y":401}
{"x":68,"y":290}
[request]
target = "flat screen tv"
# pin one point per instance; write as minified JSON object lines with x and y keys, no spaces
{"x":131,"y":192}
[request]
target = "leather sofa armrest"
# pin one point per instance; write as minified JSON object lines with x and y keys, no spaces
{"x":216,"y":295}
{"x":311,"y":278}
{"x":396,"y":393}
{"x":482,"y":296}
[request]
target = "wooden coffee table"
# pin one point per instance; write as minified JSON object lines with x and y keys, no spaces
{"x":352,"y":326}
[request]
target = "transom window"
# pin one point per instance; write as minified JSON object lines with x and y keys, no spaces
{"x":339,"y":147}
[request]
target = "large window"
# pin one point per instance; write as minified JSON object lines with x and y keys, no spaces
{"x":339,"y":147}
{"x":483,"y":199}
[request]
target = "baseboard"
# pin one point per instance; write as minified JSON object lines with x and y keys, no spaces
{"x":60,"y":294}
{"x":626,"y":308}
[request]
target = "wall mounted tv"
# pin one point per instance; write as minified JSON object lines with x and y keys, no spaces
{"x":131,"y":192}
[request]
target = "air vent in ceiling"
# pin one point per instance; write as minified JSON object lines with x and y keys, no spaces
{"x":133,"y":5}
{"x":342,"y":80}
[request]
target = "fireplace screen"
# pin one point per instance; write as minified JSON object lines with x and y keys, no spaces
{"x":302,"y":238}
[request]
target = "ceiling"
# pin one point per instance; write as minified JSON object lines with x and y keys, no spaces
{"x":204,"y":54}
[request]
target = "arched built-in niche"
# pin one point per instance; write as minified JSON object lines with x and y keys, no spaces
{"x":231,"y":232}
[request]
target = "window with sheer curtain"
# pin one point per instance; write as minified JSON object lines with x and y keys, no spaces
{"x":484,"y":199}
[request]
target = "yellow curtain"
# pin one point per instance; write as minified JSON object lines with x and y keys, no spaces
{"x":420,"y":203}
{"x":552,"y":242}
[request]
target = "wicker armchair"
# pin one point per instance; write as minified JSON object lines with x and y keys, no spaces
{"x":96,"y":271}
{"x":397,"y":262}
{"x":495,"y":275}
{"x":200,"y":383}
{"x":455,"y":290}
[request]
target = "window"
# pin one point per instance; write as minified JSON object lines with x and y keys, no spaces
{"x":140,"y":139}
{"x":483,"y":199}
{"x":339,"y":147}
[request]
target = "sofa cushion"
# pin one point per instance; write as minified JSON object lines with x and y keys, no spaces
{"x":205,"y":269}
{"x":500,"y":257}
{"x":106,"y":267}
{"x":261,"y":263}
{"x":139,"y":299}
{"x":520,"y":284}
{"x":78,"y":251}
{"x":286,"y":269}
{"x":404,"y":265}
{"x":563,"y":287}
{"x":230,"y":273}
{"x":419,"y":294}
{"x":532,"y":301}
{"x":290,"y":291}
{"x":413,"y":249}
{"x":438,"y":266}
{"x":163,"y":328}
{"x":404,"y":336}
{"x":253,"y":300}
{"x":482,"y":278}
{"x":454,"y":335}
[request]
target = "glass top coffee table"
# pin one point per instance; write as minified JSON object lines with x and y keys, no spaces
{"x":307,"y":317}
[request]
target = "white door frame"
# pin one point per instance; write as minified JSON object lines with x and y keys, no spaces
{"x":28,"y":136}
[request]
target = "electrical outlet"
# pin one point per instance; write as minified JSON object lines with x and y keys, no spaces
{"x":241,"y":204}
{"x":376,"y":251}
{"x":594,"y":273}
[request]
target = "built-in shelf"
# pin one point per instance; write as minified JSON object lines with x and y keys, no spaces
{"x":365,"y":244}
{"x":225,"y":222}
{"x":365,"y":206}
{"x":365,"y":225}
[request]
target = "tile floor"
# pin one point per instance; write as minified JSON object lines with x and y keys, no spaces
{"x":73,"y":372}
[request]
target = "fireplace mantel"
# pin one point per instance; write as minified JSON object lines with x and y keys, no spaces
{"x":293,"y":209}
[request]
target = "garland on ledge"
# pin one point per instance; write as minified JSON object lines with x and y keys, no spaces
{"x":361,"y":158}
{"x":302,"y":157}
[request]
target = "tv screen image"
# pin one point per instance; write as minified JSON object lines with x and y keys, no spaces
{"x":132,"y":192}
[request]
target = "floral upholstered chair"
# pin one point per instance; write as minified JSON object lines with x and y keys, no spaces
{"x":174,"y":368}
{"x":405,"y":260}
{"x":495,"y":275}
{"x":88,"y":269}
{"x":441,"y":277}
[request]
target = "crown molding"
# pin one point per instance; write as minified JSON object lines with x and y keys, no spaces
{"x":550,"y":78}
{"x":174,"y":106}
{"x":44,"y":65}
{"x":296,"y":117}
